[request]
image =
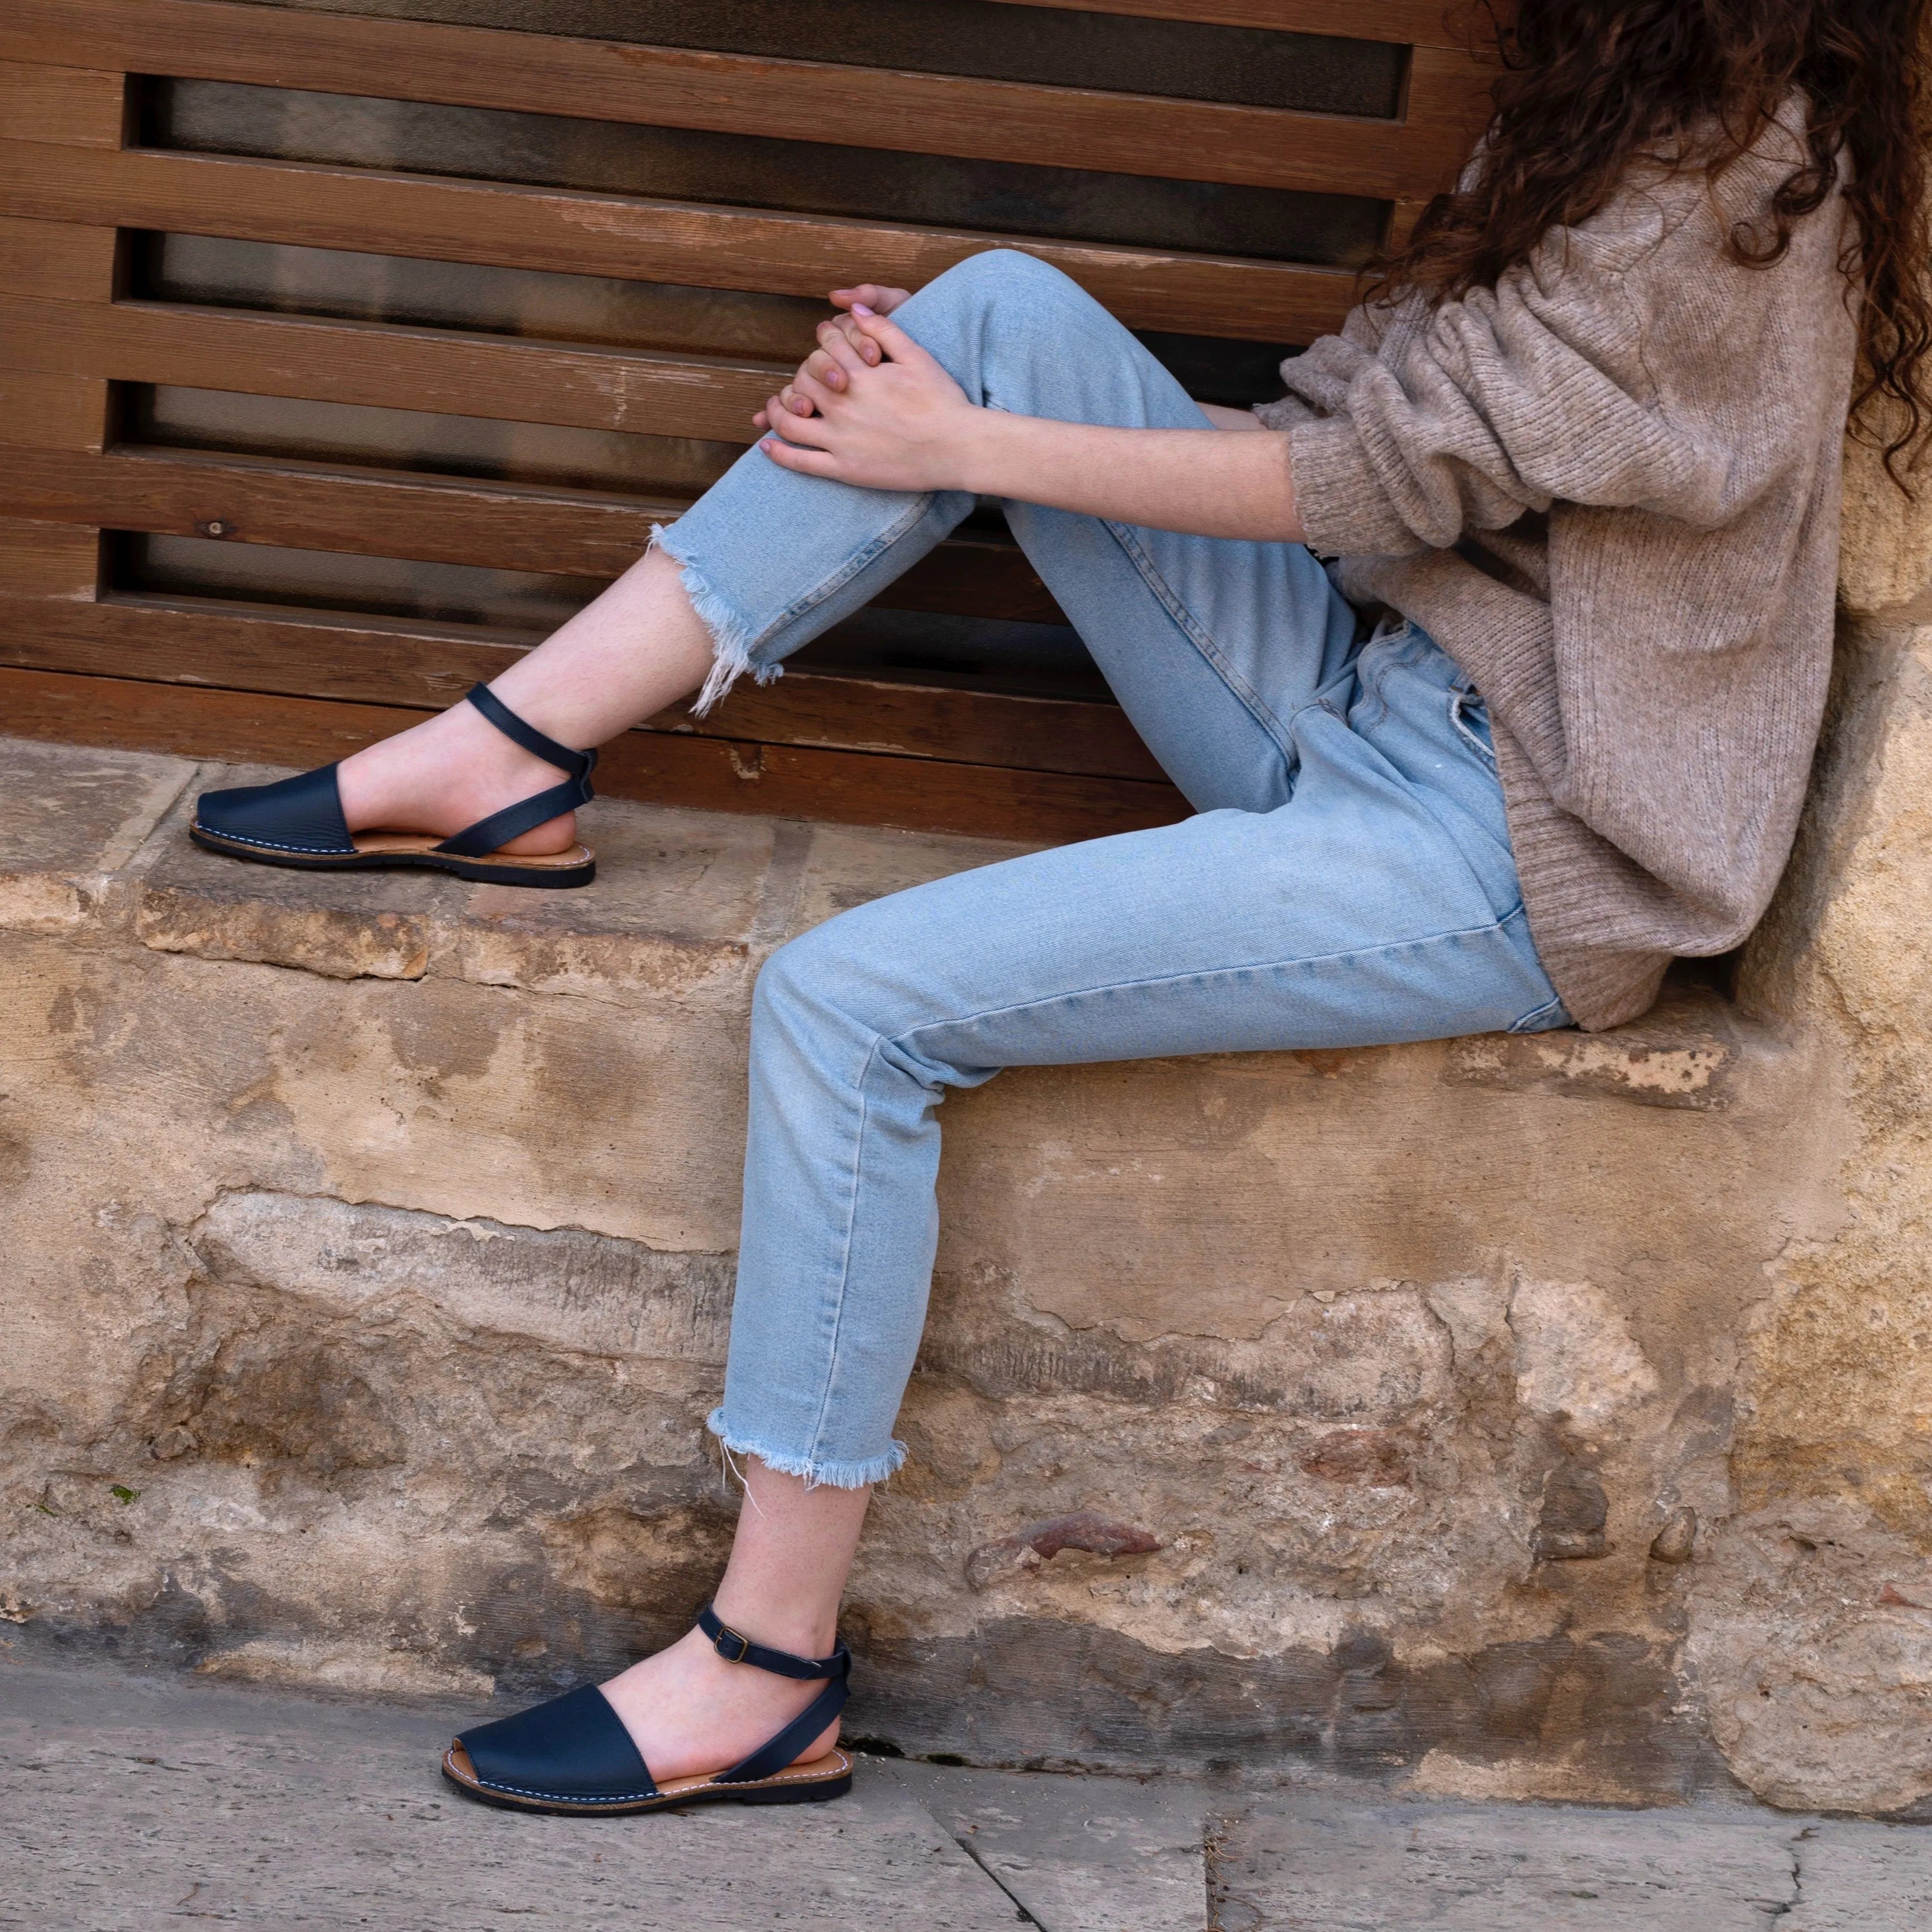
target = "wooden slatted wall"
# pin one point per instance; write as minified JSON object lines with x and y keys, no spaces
{"x":188,"y":561}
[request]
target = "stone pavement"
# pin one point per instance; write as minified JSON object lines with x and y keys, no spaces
{"x":130,"y":1802}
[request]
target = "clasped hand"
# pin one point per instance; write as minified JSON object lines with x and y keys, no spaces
{"x":870,"y":407}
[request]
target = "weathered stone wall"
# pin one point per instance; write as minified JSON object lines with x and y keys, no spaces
{"x":1812,"y":1637}
{"x":367,"y":1268}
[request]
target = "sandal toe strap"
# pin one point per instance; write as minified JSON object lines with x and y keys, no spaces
{"x":303,"y":814}
{"x":573,"y":1749}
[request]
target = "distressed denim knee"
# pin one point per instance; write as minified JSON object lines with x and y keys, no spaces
{"x":1015,"y":334}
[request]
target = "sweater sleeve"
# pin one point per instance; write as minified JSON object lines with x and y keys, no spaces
{"x":1585,"y":377}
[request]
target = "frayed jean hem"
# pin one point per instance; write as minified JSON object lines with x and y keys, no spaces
{"x":730,"y":633}
{"x":816,"y":1475}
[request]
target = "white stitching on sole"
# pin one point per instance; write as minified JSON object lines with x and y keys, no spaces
{"x":356,"y":852}
{"x":675,"y":1797}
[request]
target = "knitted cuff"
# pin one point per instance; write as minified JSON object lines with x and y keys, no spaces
{"x":1344,"y":511}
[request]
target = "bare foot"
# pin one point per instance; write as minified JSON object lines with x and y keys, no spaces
{"x":689,"y":1712}
{"x":445,"y":774}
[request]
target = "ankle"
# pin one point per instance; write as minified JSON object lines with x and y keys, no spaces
{"x":803,"y":1630}
{"x":453,"y":764}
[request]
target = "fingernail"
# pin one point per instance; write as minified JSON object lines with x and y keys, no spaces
{"x":860,"y":308}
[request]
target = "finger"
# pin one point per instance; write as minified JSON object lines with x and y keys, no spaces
{"x":792,"y":401}
{"x":806,"y":462}
{"x":838,"y":350}
{"x":792,"y":428}
{"x":817,"y":396}
{"x":760,"y":420}
{"x":892,"y":339}
{"x":845,"y":328}
{"x":875,"y":296}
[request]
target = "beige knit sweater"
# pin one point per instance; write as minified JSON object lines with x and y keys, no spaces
{"x":1609,"y":489}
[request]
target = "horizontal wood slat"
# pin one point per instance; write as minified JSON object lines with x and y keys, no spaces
{"x":45,"y":411}
{"x":845,"y":787}
{"x":509,"y":226}
{"x":436,"y":520}
{"x":933,"y":114}
{"x":51,"y":560}
{"x":72,"y":105}
{"x":390,"y":367}
{"x":55,"y":260}
{"x":1408,"y":22}
{"x":387,"y":660}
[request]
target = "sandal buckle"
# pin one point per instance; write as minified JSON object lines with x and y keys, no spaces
{"x":727,"y":1635}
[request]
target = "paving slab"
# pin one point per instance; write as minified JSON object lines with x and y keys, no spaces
{"x":1314,"y":1863}
{"x":132,"y":1800}
{"x":1079,"y":1854}
{"x":69,"y":816}
{"x":130,"y":1805}
{"x":1858,"y":1877}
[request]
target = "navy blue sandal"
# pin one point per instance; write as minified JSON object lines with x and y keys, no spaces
{"x":298,"y":821}
{"x":574,"y":1755}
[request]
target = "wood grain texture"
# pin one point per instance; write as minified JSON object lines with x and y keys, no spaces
{"x":390,"y":367}
{"x":57,"y":561}
{"x":845,"y":787}
{"x":859,"y":788}
{"x":45,"y":411}
{"x":438,"y":520}
{"x":1449,"y":105}
{"x":1061,"y":126}
{"x":74,"y":106}
{"x":1409,"y":22}
{"x":426,"y":667}
{"x":56,"y":260}
{"x":510,"y":227}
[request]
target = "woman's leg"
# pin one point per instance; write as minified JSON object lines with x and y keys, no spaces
{"x":635,"y":649}
{"x":689,"y":1711}
{"x":1378,"y":904}
{"x":772,"y":558}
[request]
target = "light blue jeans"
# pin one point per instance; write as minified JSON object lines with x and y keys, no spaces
{"x":1348,"y":881}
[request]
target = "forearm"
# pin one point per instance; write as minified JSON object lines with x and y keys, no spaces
{"x":1192,"y":481}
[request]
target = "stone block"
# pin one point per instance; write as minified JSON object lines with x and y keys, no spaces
{"x":69,"y":819}
{"x":1350,"y":1867}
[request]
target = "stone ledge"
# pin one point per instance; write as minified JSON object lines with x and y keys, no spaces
{"x":96,"y":841}
{"x":686,"y":903}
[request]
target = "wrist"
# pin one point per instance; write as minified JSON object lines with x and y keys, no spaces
{"x":985,"y":452}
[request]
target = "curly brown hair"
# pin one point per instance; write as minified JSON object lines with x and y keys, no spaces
{"x":1589,"y":86}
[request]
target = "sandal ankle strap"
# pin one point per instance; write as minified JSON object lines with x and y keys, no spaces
{"x":579,"y":764}
{"x":736,"y":1648}
{"x":527,"y":813}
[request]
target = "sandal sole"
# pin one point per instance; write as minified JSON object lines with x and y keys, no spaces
{"x":481,"y":871}
{"x":783,"y":1790}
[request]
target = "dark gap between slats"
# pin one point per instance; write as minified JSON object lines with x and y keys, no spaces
{"x":757,"y":171}
{"x":1117,"y":53}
